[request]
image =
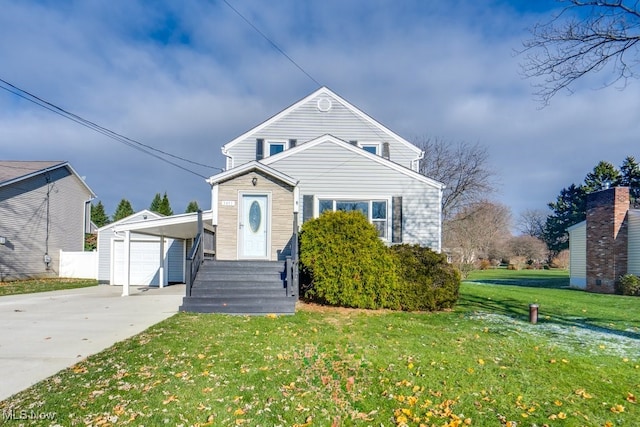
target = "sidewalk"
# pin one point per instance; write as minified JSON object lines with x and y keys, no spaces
{"x":45,"y":332}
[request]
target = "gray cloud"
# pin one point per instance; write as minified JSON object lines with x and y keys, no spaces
{"x":188,"y":78}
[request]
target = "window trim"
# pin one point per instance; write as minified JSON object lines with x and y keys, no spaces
{"x":360,"y":198}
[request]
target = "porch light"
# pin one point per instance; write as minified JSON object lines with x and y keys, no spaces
{"x":254,"y":181}
{"x":3,"y":240}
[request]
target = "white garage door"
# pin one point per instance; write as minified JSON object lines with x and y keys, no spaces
{"x":145,"y":263}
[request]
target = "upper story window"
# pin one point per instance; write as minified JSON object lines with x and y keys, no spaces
{"x":275,"y":147}
{"x":372,"y":148}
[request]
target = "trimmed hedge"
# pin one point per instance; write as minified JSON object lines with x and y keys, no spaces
{"x":346,"y":263}
{"x":427,"y":281}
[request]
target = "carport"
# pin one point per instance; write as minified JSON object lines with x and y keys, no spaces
{"x":184,"y":226}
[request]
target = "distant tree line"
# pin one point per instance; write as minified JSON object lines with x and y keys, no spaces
{"x":570,"y":207}
{"x":159,"y":204}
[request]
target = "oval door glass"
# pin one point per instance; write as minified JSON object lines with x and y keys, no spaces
{"x":255,"y":216}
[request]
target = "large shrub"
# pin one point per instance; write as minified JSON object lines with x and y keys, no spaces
{"x":629,"y":284}
{"x":427,"y":280}
{"x":346,"y":263}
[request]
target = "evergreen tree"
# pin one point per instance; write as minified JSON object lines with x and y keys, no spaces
{"x":630,"y":171}
{"x":156,"y":203}
{"x":192,"y":207}
{"x":123,"y":210}
{"x":165,"y":206}
{"x":604,"y":175}
{"x":569,"y":208}
{"x":98,"y":215}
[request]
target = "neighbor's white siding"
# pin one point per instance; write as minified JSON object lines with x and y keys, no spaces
{"x":578,"y":255}
{"x":633,"y":260}
{"x":331,"y":170}
{"x":307,"y":122}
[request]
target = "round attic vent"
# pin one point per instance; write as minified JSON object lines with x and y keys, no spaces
{"x":324,"y":104}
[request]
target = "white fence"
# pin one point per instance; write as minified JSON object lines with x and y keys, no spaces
{"x":79,"y":265}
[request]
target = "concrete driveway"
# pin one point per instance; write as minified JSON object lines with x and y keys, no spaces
{"x":42,"y":333}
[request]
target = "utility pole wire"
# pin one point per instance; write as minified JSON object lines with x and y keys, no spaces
{"x":100,"y":129}
{"x":271,"y":42}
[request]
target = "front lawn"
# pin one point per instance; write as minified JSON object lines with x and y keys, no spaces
{"x":43,"y":285}
{"x":481,"y":364}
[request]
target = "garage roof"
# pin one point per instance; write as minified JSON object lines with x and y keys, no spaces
{"x":184,"y":226}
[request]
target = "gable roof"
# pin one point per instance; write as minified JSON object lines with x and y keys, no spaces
{"x":181,"y":226}
{"x":12,"y":171}
{"x":323,"y":91}
{"x":248,"y":167}
{"x":130,"y":218}
{"x":356,"y":150}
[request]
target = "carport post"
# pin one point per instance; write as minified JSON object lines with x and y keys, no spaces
{"x":127,"y":263}
{"x":161,"y":279}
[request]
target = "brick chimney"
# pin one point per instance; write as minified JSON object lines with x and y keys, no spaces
{"x":606,"y":238}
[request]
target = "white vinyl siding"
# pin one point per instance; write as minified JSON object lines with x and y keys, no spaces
{"x":578,"y":255}
{"x":633,"y":261}
{"x":331,"y":169}
{"x":307,"y":122}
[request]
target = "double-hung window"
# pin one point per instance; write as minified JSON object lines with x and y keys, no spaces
{"x":374,"y":210}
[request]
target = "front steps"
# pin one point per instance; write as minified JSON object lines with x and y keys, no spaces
{"x":240,"y":287}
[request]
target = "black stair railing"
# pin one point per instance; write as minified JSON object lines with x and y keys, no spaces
{"x":195,"y":256}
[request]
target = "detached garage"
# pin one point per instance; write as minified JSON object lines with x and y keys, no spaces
{"x":146,"y":255}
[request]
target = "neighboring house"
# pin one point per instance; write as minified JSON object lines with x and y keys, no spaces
{"x":147,"y":253}
{"x":607,"y":245}
{"x":44,"y":208}
{"x":320,"y":154}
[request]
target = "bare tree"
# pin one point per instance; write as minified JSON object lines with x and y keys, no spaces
{"x":585,"y":37}
{"x":529,"y":247}
{"x":462,"y":167}
{"x":531,"y":222}
{"x":476,"y":230}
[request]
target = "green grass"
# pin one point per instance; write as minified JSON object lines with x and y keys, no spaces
{"x":482,"y":362}
{"x":43,"y":285}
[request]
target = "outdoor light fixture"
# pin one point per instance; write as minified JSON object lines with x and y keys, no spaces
{"x":254,"y":181}
{"x":3,"y":240}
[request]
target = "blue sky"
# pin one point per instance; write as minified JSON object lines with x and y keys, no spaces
{"x":187,"y":77}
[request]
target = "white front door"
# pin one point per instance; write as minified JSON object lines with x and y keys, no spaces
{"x":254,"y":227}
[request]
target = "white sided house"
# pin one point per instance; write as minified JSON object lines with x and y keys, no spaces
{"x":606,"y":245}
{"x":320,"y":154}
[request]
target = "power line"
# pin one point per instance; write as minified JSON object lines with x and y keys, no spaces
{"x":271,"y":42}
{"x":132,"y":143}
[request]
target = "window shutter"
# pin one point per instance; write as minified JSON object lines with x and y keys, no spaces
{"x":292,"y":143}
{"x":385,"y":150}
{"x":396,"y":230}
{"x":307,"y":207}
{"x":259,"y":149}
